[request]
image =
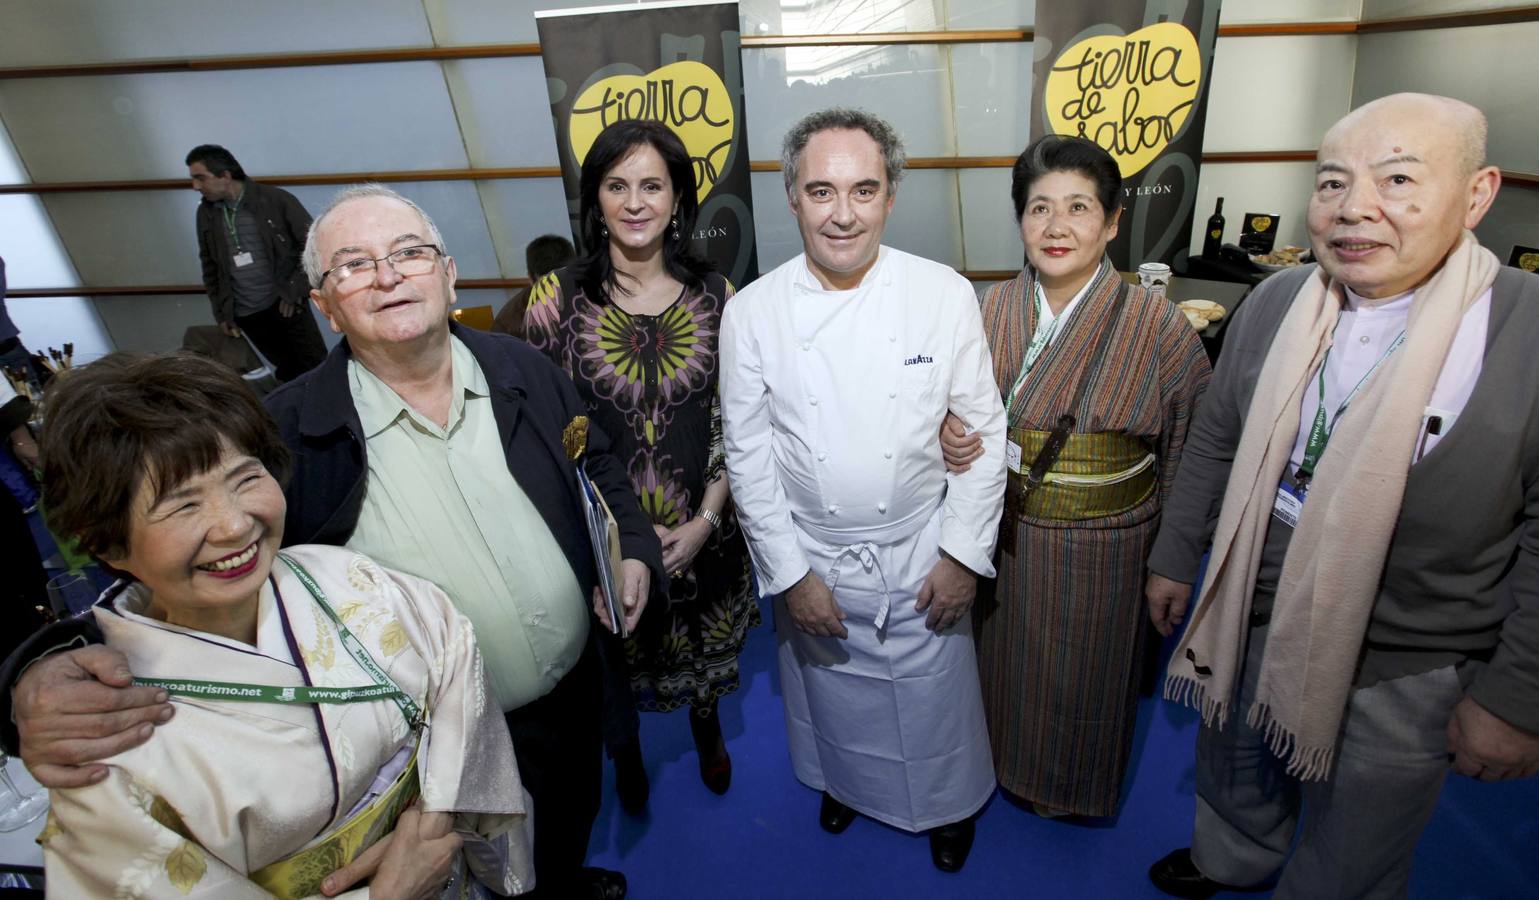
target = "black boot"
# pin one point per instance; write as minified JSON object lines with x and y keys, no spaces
{"x":710,"y":748}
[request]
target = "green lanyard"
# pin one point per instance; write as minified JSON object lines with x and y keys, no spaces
{"x":1039,"y":341}
{"x":229,"y":219}
{"x":1319,"y":432}
{"x":383,"y":689}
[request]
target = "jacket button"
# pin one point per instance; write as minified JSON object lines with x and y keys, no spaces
{"x":887,"y":454}
{"x":833,"y":510}
{"x":891,"y":394}
{"x":812,"y":400}
{"x":881,"y":507}
{"x":822,"y":455}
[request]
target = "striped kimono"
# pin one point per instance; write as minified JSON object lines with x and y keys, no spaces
{"x":1060,"y":645}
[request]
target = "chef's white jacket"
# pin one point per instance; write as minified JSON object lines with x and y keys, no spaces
{"x":832,"y":403}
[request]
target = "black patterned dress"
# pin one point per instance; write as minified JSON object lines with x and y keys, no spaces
{"x":650,"y":382}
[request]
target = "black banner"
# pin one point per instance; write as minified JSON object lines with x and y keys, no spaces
{"x":678,"y":63}
{"x":1132,"y":75}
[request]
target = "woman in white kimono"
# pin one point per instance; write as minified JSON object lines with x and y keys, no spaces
{"x":350,"y":714}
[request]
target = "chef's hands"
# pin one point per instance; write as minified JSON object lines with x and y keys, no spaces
{"x":959,"y":448}
{"x":947,"y":593}
{"x":410,"y":863}
{"x":1483,"y":745}
{"x":634,"y":581}
{"x":812,"y":607}
{"x":1167,"y":602}
{"x":78,"y":707}
{"x":230,"y":329}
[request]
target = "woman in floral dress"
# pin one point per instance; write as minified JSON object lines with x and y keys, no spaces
{"x":635,"y":321}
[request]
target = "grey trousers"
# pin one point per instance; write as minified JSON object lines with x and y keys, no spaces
{"x":1361,"y":825}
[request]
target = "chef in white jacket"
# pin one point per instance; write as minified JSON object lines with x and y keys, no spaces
{"x":837,"y":368}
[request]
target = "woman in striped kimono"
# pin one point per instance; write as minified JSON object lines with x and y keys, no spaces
{"x":1061,"y":645}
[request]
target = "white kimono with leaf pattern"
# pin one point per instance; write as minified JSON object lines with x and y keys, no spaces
{"x":254,"y":782}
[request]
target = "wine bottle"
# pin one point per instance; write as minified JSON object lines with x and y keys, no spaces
{"x":1213,"y":238}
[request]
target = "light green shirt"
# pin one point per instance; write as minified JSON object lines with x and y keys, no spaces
{"x":441,"y":505}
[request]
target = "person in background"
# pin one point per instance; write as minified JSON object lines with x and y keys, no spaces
{"x":446,"y":453}
{"x":1061,"y":645}
{"x":837,"y":370}
{"x":544,"y":255}
{"x":1366,"y":468}
{"x":251,"y":238}
{"x":634,"y":321}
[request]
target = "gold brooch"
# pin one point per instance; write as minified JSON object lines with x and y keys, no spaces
{"x":575,"y":437}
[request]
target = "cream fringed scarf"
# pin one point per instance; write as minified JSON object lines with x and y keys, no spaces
{"x":1336,"y":558}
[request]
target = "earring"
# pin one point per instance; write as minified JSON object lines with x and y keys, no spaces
{"x":675,"y":227}
{"x":604,"y":230}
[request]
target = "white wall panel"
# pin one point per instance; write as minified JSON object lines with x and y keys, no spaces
{"x":520,"y":210}
{"x":1494,"y":67}
{"x":1235,"y":12}
{"x":1278,"y":93}
{"x":989,"y":226}
{"x":152,"y":324}
{"x":61,"y":32}
{"x":492,"y":21}
{"x":504,"y":111}
{"x":992,"y":96}
{"x":1395,"y":9}
{"x":316,"y":119}
{"x":908,"y":86}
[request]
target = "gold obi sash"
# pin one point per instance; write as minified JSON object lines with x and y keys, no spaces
{"x":1096,"y":475}
{"x":300,"y":874}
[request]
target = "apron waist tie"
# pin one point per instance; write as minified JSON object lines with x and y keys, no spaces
{"x":865,"y":554}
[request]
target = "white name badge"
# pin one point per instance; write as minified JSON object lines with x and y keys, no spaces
{"x":1288,"y":505}
{"x":242,"y":259}
{"x":1013,"y":455}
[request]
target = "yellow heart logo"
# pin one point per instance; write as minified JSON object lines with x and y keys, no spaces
{"x":1529,"y":262}
{"x":688,"y":97}
{"x":1129,"y":93}
{"x":1260,"y":224}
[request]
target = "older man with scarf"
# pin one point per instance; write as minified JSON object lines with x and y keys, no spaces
{"x":1366,"y":465}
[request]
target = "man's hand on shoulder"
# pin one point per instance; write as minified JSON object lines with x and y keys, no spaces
{"x":78,"y":707}
{"x":1484,"y":746}
{"x":813,"y":608}
{"x":947,"y":593}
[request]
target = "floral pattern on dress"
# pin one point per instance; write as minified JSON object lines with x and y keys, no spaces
{"x":650,"y":383}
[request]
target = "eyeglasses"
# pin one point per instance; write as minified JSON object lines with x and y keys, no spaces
{"x":407,"y":261}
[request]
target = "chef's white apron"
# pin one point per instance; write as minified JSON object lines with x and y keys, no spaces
{"x":890,"y":720}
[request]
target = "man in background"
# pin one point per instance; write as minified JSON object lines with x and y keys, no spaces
{"x":250,"y":239}
{"x":544,"y":255}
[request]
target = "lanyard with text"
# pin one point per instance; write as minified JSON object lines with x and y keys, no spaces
{"x":1039,"y":341}
{"x":1319,"y":432}
{"x":383,"y":689}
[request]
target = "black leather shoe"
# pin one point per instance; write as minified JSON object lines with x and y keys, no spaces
{"x":834,"y":816}
{"x":950,"y":844}
{"x":603,"y":884}
{"x":1178,"y":876}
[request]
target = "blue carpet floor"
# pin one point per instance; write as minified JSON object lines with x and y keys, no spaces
{"x":762,"y":838}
